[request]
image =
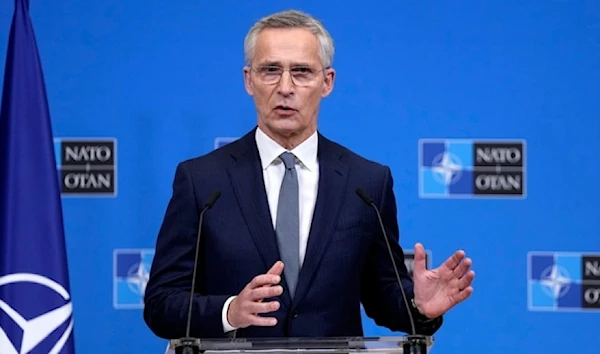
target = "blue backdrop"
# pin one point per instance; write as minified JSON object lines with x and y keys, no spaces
{"x":163,"y":80}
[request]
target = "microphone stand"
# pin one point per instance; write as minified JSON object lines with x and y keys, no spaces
{"x":415,"y":343}
{"x":187,"y":344}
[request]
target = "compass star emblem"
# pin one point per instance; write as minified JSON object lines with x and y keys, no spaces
{"x":556,"y":281}
{"x":446,"y":168}
{"x":37,"y":329}
{"x":138,"y":278}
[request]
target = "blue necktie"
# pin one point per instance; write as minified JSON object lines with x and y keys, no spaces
{"x":287,"y":226}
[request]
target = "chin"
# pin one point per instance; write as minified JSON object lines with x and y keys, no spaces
{"x":285,"y":125}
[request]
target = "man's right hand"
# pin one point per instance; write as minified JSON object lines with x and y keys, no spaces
{"x":244,"y":309}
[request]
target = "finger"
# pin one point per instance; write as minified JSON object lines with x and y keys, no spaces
{"x":264,"y":292}
{"x":262,"y":321}
{"x":463,"y":267}
{"x":252,"y":297}
{"x":419,"y":265}
{"x":453,"y":261}
{"x":276,"y":269}
{"x":264,"y":279}
{"x":463,"y":295}
{"x":261,"y":307}
{"x":466,"y":281}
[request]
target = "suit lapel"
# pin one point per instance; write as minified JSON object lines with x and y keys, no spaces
{"x":333,"y":178}
{"x":248,"y":184}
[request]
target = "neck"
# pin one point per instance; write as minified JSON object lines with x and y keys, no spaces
{"x":288,"y":140}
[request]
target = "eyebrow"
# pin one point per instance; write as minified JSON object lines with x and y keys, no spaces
{"x":277,"y":63}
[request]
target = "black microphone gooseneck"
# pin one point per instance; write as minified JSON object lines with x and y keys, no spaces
{"x":416,"y":343}
{"x":187,"y":341}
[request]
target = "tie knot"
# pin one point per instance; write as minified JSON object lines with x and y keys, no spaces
{"x":289,"y":160}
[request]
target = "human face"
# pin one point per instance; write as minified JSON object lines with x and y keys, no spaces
{"x":287,"y":112}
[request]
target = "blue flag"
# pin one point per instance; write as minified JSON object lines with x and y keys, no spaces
{"x":35,"y":302}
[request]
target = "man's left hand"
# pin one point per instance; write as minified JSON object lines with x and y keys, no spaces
{"x":440,"y":289}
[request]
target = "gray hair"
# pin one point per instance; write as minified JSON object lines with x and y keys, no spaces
{"x":292,"y":19}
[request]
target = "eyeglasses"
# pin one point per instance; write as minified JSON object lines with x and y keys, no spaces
{"x":301,"y":75}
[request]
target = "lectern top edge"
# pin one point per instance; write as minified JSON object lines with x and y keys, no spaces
{"x":308,"y":345}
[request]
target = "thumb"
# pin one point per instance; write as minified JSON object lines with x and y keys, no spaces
{"x":276,"y":269}
{"x":419,"y":265}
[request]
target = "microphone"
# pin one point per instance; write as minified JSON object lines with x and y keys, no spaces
{"x":189,"y":345}
{"x":416,"y":343}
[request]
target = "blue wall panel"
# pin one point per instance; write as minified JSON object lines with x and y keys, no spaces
{"x":164,"y":79}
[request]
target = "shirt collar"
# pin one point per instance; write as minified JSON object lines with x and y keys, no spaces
{"x":269,"y":150}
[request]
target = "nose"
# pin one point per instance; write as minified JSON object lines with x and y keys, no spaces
{"x":286,"y":86}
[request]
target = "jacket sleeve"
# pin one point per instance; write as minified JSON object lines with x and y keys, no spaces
{"x":168,"y":290}
{"x":380,"y":294}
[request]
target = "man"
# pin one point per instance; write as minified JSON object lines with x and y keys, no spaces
{"x":289,"y":249}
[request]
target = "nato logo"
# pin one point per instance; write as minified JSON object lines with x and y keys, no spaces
{"x":86,"y":166}
{"x":461,"y":168}
{"x":221,"y":141}
{"x":131,"y":271}
{"x":563,"y":281}
{"x":39,"y":326}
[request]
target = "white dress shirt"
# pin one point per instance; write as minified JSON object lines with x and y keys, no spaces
{"x":307,"y":167}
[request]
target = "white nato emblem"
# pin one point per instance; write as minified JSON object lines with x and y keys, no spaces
{"x":37,"y":329}
{"x":447,"y":168}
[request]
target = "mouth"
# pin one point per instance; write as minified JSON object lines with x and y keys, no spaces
{"x":284,"y":108}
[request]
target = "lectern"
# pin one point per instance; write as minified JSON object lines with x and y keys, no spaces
{"x":379,"y":345}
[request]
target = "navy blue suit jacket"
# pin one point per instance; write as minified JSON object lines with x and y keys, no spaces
{"x":346,"y":261}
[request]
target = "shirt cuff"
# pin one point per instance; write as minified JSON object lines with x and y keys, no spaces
{"x":226,"y":326}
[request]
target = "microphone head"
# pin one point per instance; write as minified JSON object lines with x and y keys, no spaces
{"x":364,"y":196}
{"x":213,"y":199}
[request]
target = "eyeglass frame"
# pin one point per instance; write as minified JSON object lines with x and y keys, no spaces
{"x":283,"y":70}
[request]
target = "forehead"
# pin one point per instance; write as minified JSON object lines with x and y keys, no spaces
{"x":286,"y":46}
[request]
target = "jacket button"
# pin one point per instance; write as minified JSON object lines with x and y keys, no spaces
{"x":294,"y":314}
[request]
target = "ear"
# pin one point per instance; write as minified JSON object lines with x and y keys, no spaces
{"x":328,"y":82}
{"x":248,"y":81}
